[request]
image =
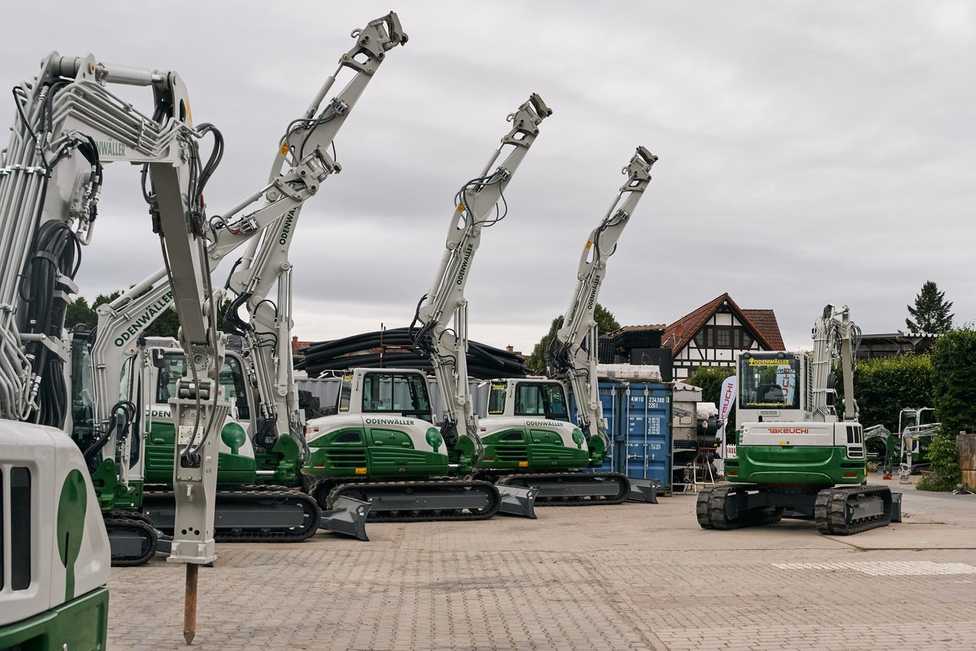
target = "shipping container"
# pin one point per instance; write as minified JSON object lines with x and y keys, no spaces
{"x":638,"y":418}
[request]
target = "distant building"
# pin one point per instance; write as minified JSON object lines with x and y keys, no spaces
{"x":712,"y":334}
{"x":893,"y":344}
{"x":707,"y":336}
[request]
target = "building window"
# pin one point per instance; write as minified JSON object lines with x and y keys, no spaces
{"x":700,"y":338}
{"x":723,"y":337}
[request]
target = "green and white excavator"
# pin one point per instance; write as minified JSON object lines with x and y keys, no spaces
{"x":381,"y":444}
{"x":130,"y":437}
{"x":795,"y":456}
{"x":529,"y":437}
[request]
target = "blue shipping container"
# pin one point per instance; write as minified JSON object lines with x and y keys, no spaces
{"x":638,"y":418}
{"x":647,"y":419}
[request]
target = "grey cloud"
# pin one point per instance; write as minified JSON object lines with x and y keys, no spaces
{"x":809,"y":152}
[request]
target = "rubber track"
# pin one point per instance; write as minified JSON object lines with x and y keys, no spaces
{"x":831,"y":512}
{"x":279,"y":497}
{"x":354,"y":490}
{"x":711,"y":513}
{"x":525,"y":481}
{"x":132,"y":520}
{"x":702,"y":509}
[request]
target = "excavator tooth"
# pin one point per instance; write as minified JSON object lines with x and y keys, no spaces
{"x":347,"y":517}
{"x":517,"y":501}
{"x":643,"y":490}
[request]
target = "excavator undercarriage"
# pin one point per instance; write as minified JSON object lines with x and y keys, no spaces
{"x":838,"y":511}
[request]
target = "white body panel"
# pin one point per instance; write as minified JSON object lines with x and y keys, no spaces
{"x":50,"y":456}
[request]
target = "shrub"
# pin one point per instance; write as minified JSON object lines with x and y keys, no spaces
{"x":944,"y":473}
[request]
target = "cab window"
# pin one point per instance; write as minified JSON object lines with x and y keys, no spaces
{"x":345,"y":393}
{"x":231,"y":380}
{"x":496,"y":399}
{"x":404,"y":394}
{"x":546,"y":400}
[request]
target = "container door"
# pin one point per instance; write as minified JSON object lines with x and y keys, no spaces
{"x":649,"y":433}
{"x":608,"y":393}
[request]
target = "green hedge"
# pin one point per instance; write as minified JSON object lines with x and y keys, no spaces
{"x":954,"y":358}
{"x":884,"y":386}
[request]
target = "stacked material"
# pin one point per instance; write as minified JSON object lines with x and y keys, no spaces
{"x":393,"y":349}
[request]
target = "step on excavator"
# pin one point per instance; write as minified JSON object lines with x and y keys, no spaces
{"x":795,"y":456}
{"x":529,"y":437}
{"x":130,"y":437}
{"x":381,"y":445}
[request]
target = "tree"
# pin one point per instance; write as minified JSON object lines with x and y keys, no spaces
{"x":79,"y":313}
{"x":605,"y":321}
{"x":931,"y":314}
{"x":709,"y":380}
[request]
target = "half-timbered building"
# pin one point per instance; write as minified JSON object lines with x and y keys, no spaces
{"x":712,"y":334}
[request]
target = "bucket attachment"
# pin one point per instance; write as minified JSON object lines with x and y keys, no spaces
{"x":517,"y":500}
{"x":346,"y":517}
{"x":643,"y":490}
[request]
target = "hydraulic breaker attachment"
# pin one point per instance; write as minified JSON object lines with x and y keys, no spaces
{"x":346,"y":517}
{"x":517,"y":501}
{"x":643,"y":490}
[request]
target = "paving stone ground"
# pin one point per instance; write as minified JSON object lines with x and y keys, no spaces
{"x":625,"y":577}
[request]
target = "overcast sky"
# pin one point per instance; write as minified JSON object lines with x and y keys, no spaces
{"x":809,"y":152}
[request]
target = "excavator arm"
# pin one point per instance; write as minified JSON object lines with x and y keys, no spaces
{"x":572,"y":355}
{"x":73,"y":124}
{"x":266,"y":221}
{"x":835,"y":340}
{"x":478,"y":204}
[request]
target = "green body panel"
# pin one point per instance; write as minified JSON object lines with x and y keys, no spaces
{"x":794,"y":465}
{"x":78,"y":624}
{"x":533,"y":450}
{"x":380,"y":454}
{"x":111,"y":493}
{"x":232,"y":469}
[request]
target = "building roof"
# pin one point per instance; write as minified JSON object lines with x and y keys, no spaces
{"x":679,"y":333}
{"x":765,"y":322}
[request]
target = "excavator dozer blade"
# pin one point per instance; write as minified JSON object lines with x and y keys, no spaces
{"x":517,"y":501}
{"x":347,"y":517}
{"x":642,"y":490}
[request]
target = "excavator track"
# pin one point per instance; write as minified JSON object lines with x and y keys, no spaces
{"x":846,"y":510}
{"x":132,"y":538}
{"x":422,"y":501}
{"x":718,"y":508}
{"x":572,"y":488}
{"x":246,"y":515}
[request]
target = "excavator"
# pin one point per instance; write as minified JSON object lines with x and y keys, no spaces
{"x":795,"y":456}
{"x":69,"y":124}
{"x":380,"y":444}
{"x":261,"y":444}
{"x":529,"y":437}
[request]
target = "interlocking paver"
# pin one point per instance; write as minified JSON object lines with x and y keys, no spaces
{"x":627,"y":577}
